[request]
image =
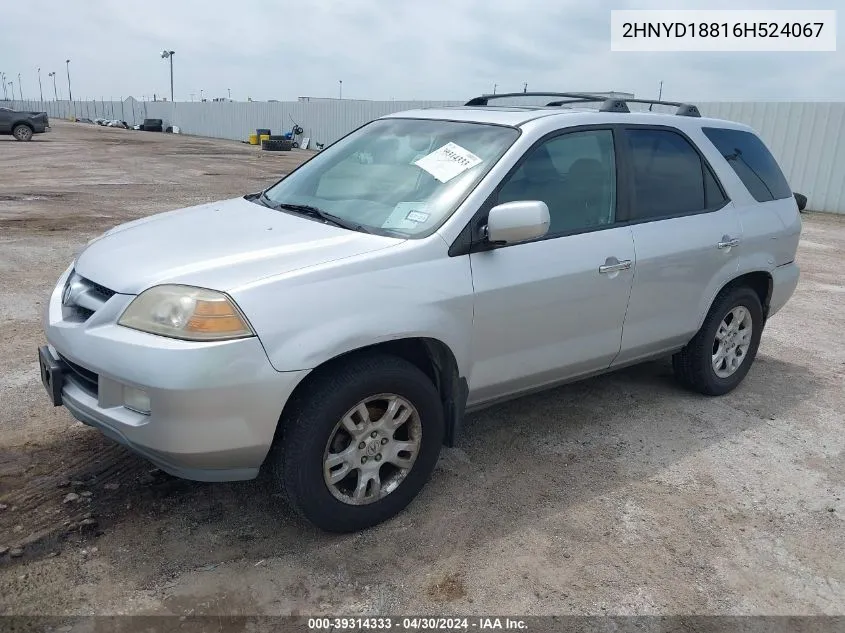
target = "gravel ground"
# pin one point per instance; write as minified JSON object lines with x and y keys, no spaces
{"x":618,"y":495}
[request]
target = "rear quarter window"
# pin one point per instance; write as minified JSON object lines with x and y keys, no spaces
{"x":752,"y":161}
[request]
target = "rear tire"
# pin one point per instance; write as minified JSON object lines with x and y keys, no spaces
{"x":22,"y":132}
{"x":306,"y":458}
{"x":706,"y":364}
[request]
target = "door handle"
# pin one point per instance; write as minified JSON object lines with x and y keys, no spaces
{"x":728,"y":242}
{"x":625,"y":264}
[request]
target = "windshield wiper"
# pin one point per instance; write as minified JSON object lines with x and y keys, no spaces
{"x":314,"y":212}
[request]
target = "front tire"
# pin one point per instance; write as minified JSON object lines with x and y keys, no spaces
{"x":22,"y":132}
{"x":718,"y":358}
{"x":359,"y":442}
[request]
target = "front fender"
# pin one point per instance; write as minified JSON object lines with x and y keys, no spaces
{"x":306,"y":320}
{"x":312,"y":346}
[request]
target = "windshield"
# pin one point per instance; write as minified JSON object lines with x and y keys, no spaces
{"x":397,"y":176}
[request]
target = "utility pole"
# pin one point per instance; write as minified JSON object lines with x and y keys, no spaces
{"x":40,"y":91}
{"x":659,"y":96}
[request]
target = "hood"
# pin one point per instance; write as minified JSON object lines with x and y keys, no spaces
{"x":220,"y":245}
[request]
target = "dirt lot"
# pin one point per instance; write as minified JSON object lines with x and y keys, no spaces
{"x":622,"y":494}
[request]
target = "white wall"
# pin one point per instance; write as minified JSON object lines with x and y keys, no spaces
{"x":807,"y":138}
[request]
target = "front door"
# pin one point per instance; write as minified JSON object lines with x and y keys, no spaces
{"x":553,"y":308}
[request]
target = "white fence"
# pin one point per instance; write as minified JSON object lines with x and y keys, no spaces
{"x":324,"y":121}
{"x":808,"y":139}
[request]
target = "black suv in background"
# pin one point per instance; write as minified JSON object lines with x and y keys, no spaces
{"x":22,"y":125}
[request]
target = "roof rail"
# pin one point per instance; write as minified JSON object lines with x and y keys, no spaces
{"x":608,"y":104}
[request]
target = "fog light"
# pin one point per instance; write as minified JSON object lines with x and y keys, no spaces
{"x":136,"y":399}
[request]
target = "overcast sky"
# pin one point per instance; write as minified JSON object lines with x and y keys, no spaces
{"x":383,"y":49}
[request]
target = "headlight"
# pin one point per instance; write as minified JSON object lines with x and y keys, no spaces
{"x":184,"y":312}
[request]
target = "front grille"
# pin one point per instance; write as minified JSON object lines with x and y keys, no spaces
{"x":101,"y":291}
{"x":83,"y":296}
{"x":82,"y":313}
{"x":85,"y":378}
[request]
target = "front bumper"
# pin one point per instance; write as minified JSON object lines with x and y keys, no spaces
{"x":214,"y":407}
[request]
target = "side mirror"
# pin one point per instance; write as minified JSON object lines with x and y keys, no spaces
{"x":517,"y":221}
{"x":801,"y":200}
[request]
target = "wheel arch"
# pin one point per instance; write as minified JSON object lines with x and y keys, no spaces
{"x":25,"y":123}
{"x":760,"y":281}
{"x":432,"y":356}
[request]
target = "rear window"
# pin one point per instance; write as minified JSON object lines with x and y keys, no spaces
{"x":752,"y":162}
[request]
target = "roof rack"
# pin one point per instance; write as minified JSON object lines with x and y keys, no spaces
{"x":608,"y":104}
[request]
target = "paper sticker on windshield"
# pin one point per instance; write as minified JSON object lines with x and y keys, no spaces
{"x":406,"y":215}
{"x":447,"y":162}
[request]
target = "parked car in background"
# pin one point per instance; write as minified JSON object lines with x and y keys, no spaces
{"x":337,"y":326}
{"x":22,"y":125}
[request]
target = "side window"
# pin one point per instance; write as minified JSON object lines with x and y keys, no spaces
{"x":574,"y":174}
{"x":669,"y":176}
{"x":752,"y":162}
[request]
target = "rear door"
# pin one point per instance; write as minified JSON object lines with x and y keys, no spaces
{"x":5,"y":120}
{"x":771,"y":223}
{"x":553,"y":308}
{"x":686,"y":234}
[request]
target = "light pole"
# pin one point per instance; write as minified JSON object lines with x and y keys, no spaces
{"x":12,"y":84}
{"x":55,"y":92}
{"x":69,"y":91}
{"x":340,"y":82}
{"x":40,"y":91}
{"x":201,"y":97}
{"x":525,"y":87}
{"x":20,"y":90}
{"x":169,"y":55}
{"x":230,"y":93}
{"x":494,"y":88}
{"x":3,"y":81}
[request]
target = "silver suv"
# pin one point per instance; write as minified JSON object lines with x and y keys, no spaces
{"x":337,"y":326}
